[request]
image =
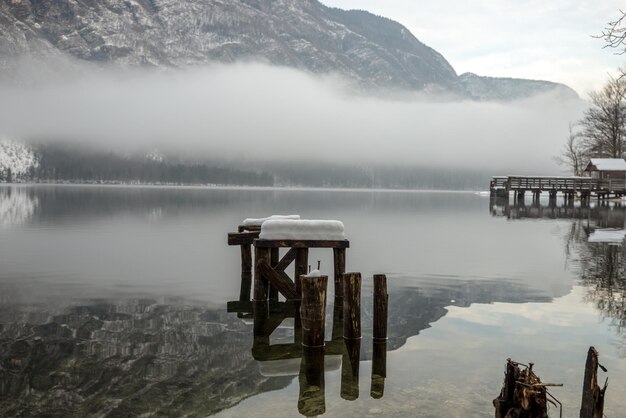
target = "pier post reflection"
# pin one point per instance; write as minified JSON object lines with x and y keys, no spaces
{"x":350,"y":369}
{"x":312,"y":400}
{"x":379,"y":369}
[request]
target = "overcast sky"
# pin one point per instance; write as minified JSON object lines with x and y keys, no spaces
{"x":539,"y":39}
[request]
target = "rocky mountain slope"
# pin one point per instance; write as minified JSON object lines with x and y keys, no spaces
{"x":373,"y":51}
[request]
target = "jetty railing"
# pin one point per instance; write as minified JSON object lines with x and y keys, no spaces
{"x":583,"y":185}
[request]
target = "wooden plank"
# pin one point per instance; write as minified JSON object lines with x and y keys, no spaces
{"x":266,"y":243}
{"x":242,"y":238}
{"x":286,"y":260}
{"x":288,"y":290}
{"x":287,"y":308}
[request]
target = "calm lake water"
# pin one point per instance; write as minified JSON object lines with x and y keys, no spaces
{"x":113,"y":302}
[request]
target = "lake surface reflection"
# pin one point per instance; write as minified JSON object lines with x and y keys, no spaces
{"x":113,"y":302}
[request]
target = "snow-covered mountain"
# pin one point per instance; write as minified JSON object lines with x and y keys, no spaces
{"x":373,"y":51}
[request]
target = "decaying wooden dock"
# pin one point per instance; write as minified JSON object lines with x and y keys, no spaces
{"x":270,"y":277}
{"x":305,"y":302}
{"x":570,"y":187}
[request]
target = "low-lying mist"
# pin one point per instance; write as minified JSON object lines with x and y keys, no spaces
{"x":255,"y":112}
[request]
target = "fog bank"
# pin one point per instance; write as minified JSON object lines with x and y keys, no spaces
{"x":259,"y":112}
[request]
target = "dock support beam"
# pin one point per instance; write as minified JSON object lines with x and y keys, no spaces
{"x":246,"y":272}
{"x":261,"y":285}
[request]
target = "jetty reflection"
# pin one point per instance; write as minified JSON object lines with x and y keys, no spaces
{"x":313,"y":361}
{"x":593,"y":245}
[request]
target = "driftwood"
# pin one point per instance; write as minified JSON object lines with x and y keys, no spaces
{"x":523,"y":395}
{"x":592,"y":404}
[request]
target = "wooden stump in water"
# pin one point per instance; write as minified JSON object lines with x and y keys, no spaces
{"x":380,"y":307}
{"x":523,"y":395}
{"x":592,"y":404}
{"x":352,"y":305}
{"x":313,"y":310}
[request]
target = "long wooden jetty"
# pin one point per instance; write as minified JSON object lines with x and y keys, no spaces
{"x":569,"y":186}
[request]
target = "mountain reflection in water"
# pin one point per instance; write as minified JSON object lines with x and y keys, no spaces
{"x":174,"y":357}
{"x":113,"y":302}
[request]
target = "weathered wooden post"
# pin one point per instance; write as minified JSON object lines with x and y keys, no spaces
{"x":300,"y":267}
{"x":592,"y":404}
{"x":352,"y":305}
{"x":337,"y":331}
{"x":261,"y":285}
{"x":350,"y":369}
{"x":339,"y":263}
{"x":313,"y":310}
{"x":260,"y":311}
{"x":381,"y":300}
{"x":312,"y":400}
{"x":246,"y":272}
{"x":274,"y":259}
{"x":379,"y":369}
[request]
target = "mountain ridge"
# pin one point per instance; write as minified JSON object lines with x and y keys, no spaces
{"x":376,"y":52}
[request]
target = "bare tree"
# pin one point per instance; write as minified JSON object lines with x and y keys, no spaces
{"x":573,"y":154}
{"x":603,"y":124}
{"x":614,"y":34}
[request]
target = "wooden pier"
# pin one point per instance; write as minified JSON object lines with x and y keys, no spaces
{"x":270,"y":277}
{"x":305,"y":302}
{"x":569,"y":186}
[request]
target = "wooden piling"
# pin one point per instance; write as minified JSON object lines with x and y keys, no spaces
{"x":592,"y":404}
{"x":379,"y":369}
{"x":352,"y":305}
{"x":261,"y":285}
{"x":246,"y":272}
{"x":274,"y":259}
{"x":339,"y":263}
{"x":313,"y":310}
{"x":381,"y":300}
{"x":312,"y":400}
{"x":350,"y":369}
{"x":337,"y":331}
{"x":261,"y":317}
{"x":300,"y":267}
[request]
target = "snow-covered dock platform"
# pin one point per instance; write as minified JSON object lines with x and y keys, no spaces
{"x":267,"y":236}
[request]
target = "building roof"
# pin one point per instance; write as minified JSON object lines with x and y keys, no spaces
{"x":608,"y":164}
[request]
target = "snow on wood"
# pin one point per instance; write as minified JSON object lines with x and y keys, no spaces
{"x":259,"y":221}
{"x":314,"y":273}
{"x":280,"y":229}
{"x":611,"y":236}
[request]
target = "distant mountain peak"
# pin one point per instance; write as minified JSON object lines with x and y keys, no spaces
{"x":374,"y":51}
